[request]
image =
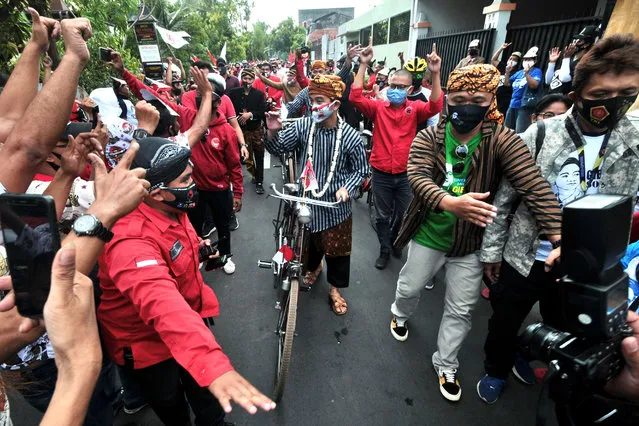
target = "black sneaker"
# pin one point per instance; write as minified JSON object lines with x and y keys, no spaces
{"x":259,"y":189}
{"x":234,"y":224}
{"x":449,"y":384}
{"x":382,"y":260}
{"x":399,"y":332}
{"x":207,"y":230}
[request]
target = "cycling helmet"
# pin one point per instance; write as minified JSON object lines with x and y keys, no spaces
{"x":416,"y":65}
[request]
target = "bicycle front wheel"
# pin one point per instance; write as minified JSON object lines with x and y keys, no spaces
{"x":286,"y":332}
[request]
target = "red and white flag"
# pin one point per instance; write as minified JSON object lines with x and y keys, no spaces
{"x":308,"y":177}
{"x":283,"y":255}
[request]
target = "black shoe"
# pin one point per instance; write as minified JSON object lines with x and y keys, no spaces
{"x":382,"y":260}
{"x":397,"y":253}
{"x":259,"y":189}
{"x":207,"y":230}
{"x":234,"y":223}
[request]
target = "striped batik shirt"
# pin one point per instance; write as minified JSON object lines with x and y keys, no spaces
{"x":350,"y":170}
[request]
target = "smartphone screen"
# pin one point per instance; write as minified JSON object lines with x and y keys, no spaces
{"x":105,"y":54}
{"x":31,"y":240}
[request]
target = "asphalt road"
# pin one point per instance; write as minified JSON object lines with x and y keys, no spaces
{"x":345,"y":370}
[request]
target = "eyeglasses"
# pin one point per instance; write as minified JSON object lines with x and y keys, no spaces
{"x":461,"y":152}
{"x":400,"y":86}
{"x":546,"y":115}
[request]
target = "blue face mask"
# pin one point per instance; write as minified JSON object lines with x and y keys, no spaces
{"x":396,"y":96}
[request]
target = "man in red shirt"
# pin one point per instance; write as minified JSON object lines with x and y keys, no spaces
{"x":395,"y":123}
{"x":155,"y":307}
{"x":270,"y":94}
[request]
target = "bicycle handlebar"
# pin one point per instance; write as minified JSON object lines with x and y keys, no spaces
{"x":311,"y":201}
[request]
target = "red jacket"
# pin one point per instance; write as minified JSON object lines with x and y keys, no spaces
{"x":394,"y":128}
{"x":268,"y":91}
{"x":223,"y":165}
{"x":217,"y":162}
{"x":226,"y":106}
{"x":153,"y":296}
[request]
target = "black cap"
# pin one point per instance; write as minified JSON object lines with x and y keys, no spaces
{"x":221,"y":62}
{"x":163,"y":160}
{"x":74,"y":129}
{"x":589,"y":33}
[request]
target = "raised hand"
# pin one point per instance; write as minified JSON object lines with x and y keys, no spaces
{"x":147,"y":115}
{"x":119,"y":192}
{"x":434,"y":61}
{"x":273,"y":120}
{"x":354,"y":51}
{"x":366,"y":55}
{"x":47,"y":62}
{"x":231,"y":387}
{"x":570,"y":50}
{"x":554,"y":54}
{"x":75,"y":158}
{"x":76,"y":32}
{"x":43,"y":30}
{"x":199,"y":76}
{"x":116,"y":62}
{"x":504,"y":46}
{"x":400,"y":55}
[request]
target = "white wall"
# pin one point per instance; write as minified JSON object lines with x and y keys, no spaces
{"x":383,"y":11}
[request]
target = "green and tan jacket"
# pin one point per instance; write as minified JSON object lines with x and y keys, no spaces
{"x":620,"y":175}
{"x":500,"y":153}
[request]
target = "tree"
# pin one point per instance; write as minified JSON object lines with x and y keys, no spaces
{"x":257,"y":42}
{"x":285,"y":37}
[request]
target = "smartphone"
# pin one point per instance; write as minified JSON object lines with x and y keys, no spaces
{"x":31,"y":239}
{"x":105,"y":54}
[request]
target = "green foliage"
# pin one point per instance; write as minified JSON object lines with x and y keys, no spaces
{"x":210,"y":23}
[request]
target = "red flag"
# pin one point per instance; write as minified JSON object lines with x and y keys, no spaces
{"x":308,"y":177}
{"x":283,"y":255}
{"x":212,"y":57}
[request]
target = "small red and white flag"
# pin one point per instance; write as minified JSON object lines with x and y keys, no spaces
{"x":283,"y":255}
{"x":308,"y":177}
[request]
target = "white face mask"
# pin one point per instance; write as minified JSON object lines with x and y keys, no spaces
{"x":320,"y":113}
{"x":513,"y":63}
{"x":529,"y":64}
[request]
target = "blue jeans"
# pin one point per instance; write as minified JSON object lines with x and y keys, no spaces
{"x":518,"y":119}
{"x":392,"y":194}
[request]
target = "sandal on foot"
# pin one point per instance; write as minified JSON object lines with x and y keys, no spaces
{"x":337,"y":303}
{"x":311,"y":277}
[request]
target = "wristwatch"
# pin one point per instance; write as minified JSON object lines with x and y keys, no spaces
{"x":140,"y":134}
{"x":88,"y":225}
{"x":556,"y":244}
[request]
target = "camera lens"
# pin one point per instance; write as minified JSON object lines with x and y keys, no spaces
{"x":538,"y":340}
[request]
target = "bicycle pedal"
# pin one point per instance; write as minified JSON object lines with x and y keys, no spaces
{"x":264,"y":264}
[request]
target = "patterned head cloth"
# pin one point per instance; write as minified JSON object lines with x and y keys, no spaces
{"x":330,"y":86}
{"x":319,"y":64}
{"x":478,"y":78}
{"x":249,"y":71}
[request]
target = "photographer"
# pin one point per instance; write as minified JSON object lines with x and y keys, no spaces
{"x":590,"y":149}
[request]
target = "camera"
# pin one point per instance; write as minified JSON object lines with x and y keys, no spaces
{"x":586,"y":353}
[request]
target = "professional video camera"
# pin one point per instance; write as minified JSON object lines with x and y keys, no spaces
{"x":586,"y":354}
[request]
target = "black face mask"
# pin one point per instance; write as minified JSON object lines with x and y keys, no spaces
{"x":465,"y":118}
{"x":185,"y":198}
{"x":473,"y":52}
{"x":605,"y":112}
{"x":222,"y":70}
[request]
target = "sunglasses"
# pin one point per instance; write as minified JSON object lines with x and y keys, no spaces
{"x":461,"y":152}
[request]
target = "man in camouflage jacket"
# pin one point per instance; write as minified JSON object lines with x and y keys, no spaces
{"x":593,"y":148}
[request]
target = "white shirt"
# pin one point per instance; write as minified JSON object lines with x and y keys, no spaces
{"x":567,"y":185}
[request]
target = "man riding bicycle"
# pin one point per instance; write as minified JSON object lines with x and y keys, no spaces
{"x":335,"y":152}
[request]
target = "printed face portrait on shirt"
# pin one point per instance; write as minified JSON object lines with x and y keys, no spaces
{"x":566,"y":186}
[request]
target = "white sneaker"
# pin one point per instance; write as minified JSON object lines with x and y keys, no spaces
{"x":429,"y":285}
{"x":229,"y":268}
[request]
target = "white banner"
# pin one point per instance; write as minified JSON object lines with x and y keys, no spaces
{"x":173,"y":38}
{"x":150,"y":53}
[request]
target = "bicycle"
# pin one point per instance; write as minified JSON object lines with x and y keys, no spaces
{"x":288,"y":159}
{"x":293,"y":217}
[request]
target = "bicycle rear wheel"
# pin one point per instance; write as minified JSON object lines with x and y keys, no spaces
{"x":286,"y":332}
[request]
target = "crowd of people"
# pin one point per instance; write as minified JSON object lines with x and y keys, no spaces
{"x":472,"y":179}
